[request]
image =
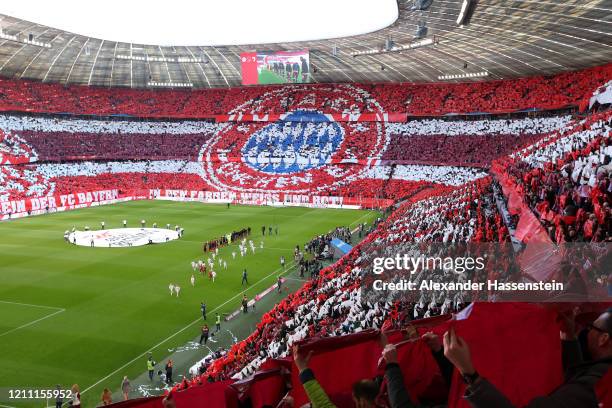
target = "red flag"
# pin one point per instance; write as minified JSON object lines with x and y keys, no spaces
{"x":529,"y":228}
{"x":339,"y":362}
{"x":422,"y":376}
{"x":603,"y":390}
{"x":515,"y":346}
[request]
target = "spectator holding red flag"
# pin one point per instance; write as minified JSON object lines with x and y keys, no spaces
{"x":316,"y":394}
{"x":365,"y":391}
{"x":398,"y":395}
{"x":577,"y":391}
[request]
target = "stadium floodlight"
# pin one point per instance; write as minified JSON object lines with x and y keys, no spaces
{"x":27,"y":41}
{"x":447,"y":77}
{"x":169,"y":84}
{"x":161,"y":59}
{"x":398,"y":48}
{"x":8,"y":37}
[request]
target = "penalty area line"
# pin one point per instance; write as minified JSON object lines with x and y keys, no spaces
{"x":199,"y":319}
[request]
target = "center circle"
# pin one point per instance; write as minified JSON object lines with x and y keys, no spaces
{"x":303,"y":140}
{"x":122,"y":237}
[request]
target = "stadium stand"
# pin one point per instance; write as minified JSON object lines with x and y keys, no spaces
{"x":331,"y":306}
{"x":565,"y":180}
{"x":563,"y":90}
{"x":44,"y":155}
{"x":557,"y":167}
{"x":449,"y":215}
{"x":568,"y":166}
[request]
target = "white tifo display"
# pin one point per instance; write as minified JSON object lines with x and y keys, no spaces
{"x":122,"y":237}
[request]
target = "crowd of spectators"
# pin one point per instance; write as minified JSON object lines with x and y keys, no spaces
{"x":35,"y":180}
{"x":555,"y":92}
{"x":566,"y":180}
{"x":464,"y":143}
{"x":79,"y":155}
{"x":55,"y":146}
{"x":485,"y":127}
{"x":51,"y":139}
{"x":563,"y":175}
{"x":277,"y":147}
{"x":319,"y":245}
{"x":443,"y":361}
{"x":70,"y":139}
{"x":21,"y":181}
{"x":332,"y":305}
{"x":450,"y":376}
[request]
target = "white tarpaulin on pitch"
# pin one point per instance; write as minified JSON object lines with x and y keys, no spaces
{"x":122,"y":237}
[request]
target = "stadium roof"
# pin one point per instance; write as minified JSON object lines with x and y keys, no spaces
{"x":210,"y":23}
{"x":506,"y":38}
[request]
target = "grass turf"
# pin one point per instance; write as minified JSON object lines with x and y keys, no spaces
{"x":268,"y":77}
{"x":74,"y":314}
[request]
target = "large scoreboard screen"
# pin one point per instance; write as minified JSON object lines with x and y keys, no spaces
{"x":278,"y":67}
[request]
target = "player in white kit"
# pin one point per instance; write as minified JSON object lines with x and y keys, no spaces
{"x":177,"y":290}
{"x":171,"y":287}
{"x":192,"y":280}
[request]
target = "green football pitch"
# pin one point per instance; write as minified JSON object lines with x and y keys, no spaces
{"x":71,"y":314}
{"x":268,"y":77}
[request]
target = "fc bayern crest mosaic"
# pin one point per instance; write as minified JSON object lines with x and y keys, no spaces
{"x":304,"y":148}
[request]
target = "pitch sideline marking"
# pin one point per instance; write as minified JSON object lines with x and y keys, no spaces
{"x":31,"y":305}
{"x":178,"y":332}
{"x":58,"y":310}
{"x":32,"y":322}
{"x":361,"y":218}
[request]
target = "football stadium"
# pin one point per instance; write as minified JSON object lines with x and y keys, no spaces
{"x":390,"y":203}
